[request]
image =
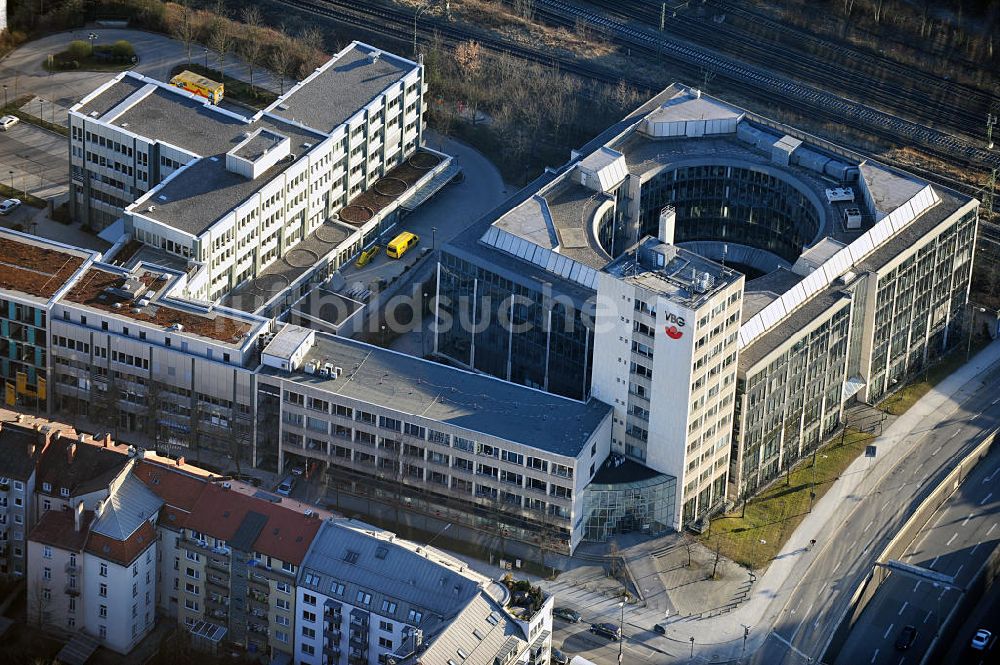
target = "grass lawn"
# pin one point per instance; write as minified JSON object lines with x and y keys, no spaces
{"x":236,"y":90}
{"x":776,"y":513}
{"x":897,"y":403}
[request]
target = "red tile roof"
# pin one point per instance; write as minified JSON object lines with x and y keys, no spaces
{"x":122,"y":552}
{"x":179,"y":491}
{"x":56,"y":528}
{"x":286,"y":535}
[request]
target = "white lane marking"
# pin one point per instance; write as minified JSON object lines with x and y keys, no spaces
{"x":903,"y":608}
{"x":966,"y":520}
{"x":928,"y":617}
{"x":953,"y":537}
{"x":917,"y":585}
{"x":869,"y":526}
{"x":837,"y":566}
{"x":973,"y":550}
{"x":874,"y":656}
{"x":901,"y":660}
{"x":959,"y":570}
{"x":954,"y":434}
{"x":986,"y":498}
{"x":937,"y":451}
{"x":989,"y":478}
{"x":991,"y":529}
{"x":886,"y":506}
{"x":888,"y":630}
{"x":934,"y":562}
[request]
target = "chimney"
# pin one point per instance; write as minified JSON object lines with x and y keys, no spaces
{"x":70,"y":452}
{"x":106,"y":441}
{"x":180,"y":461}
{"x":99,"y":509}
{"x":20,"y":418}
{"x":78,"y":516}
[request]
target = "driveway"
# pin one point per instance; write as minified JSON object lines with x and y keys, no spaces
{"x":38,"y":158}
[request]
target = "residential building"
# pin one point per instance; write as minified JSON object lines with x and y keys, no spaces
{"x":20,"y":448}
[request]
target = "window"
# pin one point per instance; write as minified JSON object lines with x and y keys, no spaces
{"x":103,"y":632}
{"x":310,"y":580}
{"x":282,"y":604}
{"x":103,"y":612}
{"x":191,"y":604}
{"x":415,"y":616}
{"x":47,"y":552}
{"x":283,"y":587}
{"x":135,"y":570}
{"x":104,"y":570}
{"x":364,"y":598}
{"x":308,"y":632}
{"x":308,"y":616}
{"x":46,"y":573}
{"x":308,"y":650}
{"x":103,"y":590}
{"x":64,"y":491}
{"x":385,"y":643}
{"x":388,"y":607}
{"x":385,"y":626}
{"x":337,"y":589}
{"x":281,"y":636}
{"x":46,"y":487}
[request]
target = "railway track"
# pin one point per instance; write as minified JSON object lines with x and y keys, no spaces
{"x":878,"y":80}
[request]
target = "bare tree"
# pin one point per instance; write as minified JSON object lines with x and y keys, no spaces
{"x":280,"y":59}
{"x":718,"y":557}
{"x":221,"y":39}
{"x":252,"y":46}
{"x":185,"y":29}
{"x":525,"y":9}
{"x":689,"y":546}
{"x":469,"y":58}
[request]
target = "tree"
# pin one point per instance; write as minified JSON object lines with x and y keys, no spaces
{"x":221,"y":39}
{"x":185,"y":30}
{"x":718,"y":557}
{"x":252,"y":46}
{"x":469,"y":58}
{"x":525,"y":9}
{"x":280,"y":59}
{"x":689,"y":546}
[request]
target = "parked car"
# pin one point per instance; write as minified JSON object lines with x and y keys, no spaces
{"x":906,"y":638}
{"x":660,"y":629}
{"x":608,"y":630}
{"x":8,"y":121}
{"x":558,"y":657}
{"x":365,"y":257}
{"x":9,"y":206}
{"x":285,"y":488}
{"x":298,"y":470}
{"x":566,"y":614}
{"x":982,"y":640}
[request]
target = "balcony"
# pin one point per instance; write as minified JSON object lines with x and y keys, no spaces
{"x":216,"y":582}
{"x":72,"y":567}
{"x":219,"y":565}
{"x":72,"y":589}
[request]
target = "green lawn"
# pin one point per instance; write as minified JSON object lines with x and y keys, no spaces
{"x":775,"y":514}
{"x":897,"y":403}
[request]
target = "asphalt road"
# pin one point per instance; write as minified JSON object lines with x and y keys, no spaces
{"x":38,"y":158}
{"x":828,"y":576}
{"x":957,"y":540}
{"x":985,"y":615}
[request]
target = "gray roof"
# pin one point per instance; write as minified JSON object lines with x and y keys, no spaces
{"x":341,"y":87}
{"x":364,"y":558}
{"x":479,"y":403}
{"x":15,"y":442}
{"x":131,"y":504}
{"x":759,"y":293}
{"x":248,"y":530}
{"x":482,"y":616}
{"x":112,"y":96}
{"x":288,"y":339}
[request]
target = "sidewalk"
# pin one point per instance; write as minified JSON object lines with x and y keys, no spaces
{"x":772,"y":589}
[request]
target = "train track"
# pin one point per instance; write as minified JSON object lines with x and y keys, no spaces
{"x":760,"y":81}
{"x":878,"y":80}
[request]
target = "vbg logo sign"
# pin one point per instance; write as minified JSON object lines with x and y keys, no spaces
{"x":674,"y":330}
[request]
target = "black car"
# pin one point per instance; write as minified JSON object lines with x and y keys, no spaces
{"x":567,"y":614}
{"x":906,"y":638}
{"x":608,"y":630}
{"x":660,"y":629}
{"x":558,"y":657}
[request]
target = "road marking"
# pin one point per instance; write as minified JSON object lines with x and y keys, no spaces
{"x":888,"y":630}
{"x":989,"y":478}
{"x":966,"y":520}
{"x":994,"y":402}
{"x":937,"y":451}
{"x":885,"y":506}
{"x":934,"y":562}
{"x":953,"y":537}
{"x":973,"y":551}
{"x":869,"y":526}
{"x":991,"y":529}
{"x":954,"y":434}
{"x":928,"y":617}
{"x":874,"y":656}
{"x":958,"y":571}
{"x":917,"y":585}
{"x":903,"y":608}
{"x":901,"y":660}
{"x":986,"y":498}
{"x":837,"y":566}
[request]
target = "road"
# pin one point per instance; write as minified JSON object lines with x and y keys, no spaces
{"x":867,"y":521}
{"x":38,"y":158}
{"x":957,"y":540}
{"x":986,"y":615}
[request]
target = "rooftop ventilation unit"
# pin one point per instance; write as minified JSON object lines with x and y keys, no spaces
{"x":310,"y":367}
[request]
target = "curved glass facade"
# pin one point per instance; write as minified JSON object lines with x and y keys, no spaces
{"x":733,"y":203}
{"x":645,"y":506}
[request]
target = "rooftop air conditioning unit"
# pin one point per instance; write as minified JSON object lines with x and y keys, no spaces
{"x":328,"y":368}
{"x":324,"y":370}
{"x":227,"y":486}
{"x":310,"y":368}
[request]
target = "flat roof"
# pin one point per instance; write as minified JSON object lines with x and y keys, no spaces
{"x":342,"y":87}
{"x":112,"y":96}
{"x":36,"y":268}
{"x":475,"y":402}
{"x":389,"y":188}
{"x":92,"y":290}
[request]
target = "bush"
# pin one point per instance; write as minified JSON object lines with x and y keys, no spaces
{"x":123,"y":50}
{"x":79,"y":49}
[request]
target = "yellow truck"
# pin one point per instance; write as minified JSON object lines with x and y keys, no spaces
{"x":199,"y":85}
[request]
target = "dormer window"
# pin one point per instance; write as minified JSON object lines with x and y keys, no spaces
{"x":64,"y":491}
{"x":46,"y":487}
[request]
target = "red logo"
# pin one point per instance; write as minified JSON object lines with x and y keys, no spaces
{"x":673,"y":332}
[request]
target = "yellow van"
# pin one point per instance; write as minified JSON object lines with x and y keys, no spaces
{"x":401,"y":244}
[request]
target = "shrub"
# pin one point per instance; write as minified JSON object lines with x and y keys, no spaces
{"x":79,"y":49}
{"x":122,"y":49}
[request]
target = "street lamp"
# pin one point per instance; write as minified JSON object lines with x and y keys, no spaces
{"x":92,"y":36}
{"x":746,"y":633}
{"x":12,"y":190}
{"x":621,"y":629}
{"x":206,"y":58}
{"x":692,"y":648}
{"x":5,"y":95}
{"x":972,"y":321}
{"x":419,"y":10}
{"x":434,"y":238}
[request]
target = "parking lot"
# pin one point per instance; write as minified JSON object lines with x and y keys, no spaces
{"x":35,"y":160}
